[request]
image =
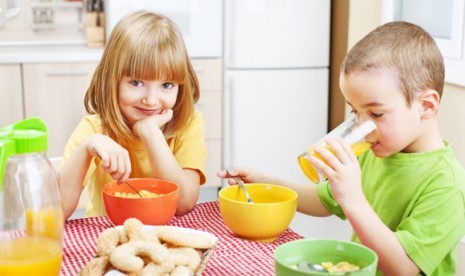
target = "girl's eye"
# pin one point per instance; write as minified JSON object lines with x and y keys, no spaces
{"x":353,"y":111}
{"x":168,"y":85}
{"x":136,"y":83}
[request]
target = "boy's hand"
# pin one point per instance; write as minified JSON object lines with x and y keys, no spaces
{"x":148,"y":124}
{"x":114,"y":158}
{"x":341,"y":168}
{"x":246,"y":174}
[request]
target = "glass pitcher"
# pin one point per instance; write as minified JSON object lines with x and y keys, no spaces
{"x":31,"y":216}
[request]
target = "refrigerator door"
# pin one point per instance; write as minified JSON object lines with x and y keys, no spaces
{"x":271,"y":116}
{"x":277,"y":33}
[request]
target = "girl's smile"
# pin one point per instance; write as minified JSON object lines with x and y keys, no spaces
{"x":149,"y":112}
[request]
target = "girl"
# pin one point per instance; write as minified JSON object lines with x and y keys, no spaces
{"x":142,"y":123}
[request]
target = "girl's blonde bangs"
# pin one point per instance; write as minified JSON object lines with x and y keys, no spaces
{"x":156,"y":64}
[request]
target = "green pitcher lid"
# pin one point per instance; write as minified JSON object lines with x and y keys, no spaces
{"x":26,"y":136}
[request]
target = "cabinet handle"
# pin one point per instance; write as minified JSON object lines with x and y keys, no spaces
{"x":65,"y":73}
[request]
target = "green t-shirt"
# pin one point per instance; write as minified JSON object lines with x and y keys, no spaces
{"x":419,"y":196}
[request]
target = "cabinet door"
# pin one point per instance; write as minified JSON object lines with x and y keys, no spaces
{"x":11,"y":95}
{"x":55,"y":92}
{"x":209,"y":72}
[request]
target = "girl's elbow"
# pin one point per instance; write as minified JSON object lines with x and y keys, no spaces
{"x":184,"y":208}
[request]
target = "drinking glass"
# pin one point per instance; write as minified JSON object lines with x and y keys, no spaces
{"x":358,"y":132}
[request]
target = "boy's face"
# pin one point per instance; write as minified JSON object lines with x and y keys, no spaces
{"x":378,"y":97}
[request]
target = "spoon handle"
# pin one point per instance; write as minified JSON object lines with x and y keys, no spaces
{"x":242,"y":185}
{"x":132,"y":187}
{"x":135,"y":190}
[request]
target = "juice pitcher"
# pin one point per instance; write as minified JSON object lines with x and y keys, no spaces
{"x":31,"y":216}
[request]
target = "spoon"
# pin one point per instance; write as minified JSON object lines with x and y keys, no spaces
{"x":135,"y":190}
{"x":132,"y":187}
{"x":307,"y":266}
{"x":242,"y":185}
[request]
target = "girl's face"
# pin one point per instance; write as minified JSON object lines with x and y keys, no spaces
{"x":378,"y":97}
{"x":139,"y":99}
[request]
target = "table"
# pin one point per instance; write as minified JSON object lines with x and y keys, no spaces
{"x":232,"y":255}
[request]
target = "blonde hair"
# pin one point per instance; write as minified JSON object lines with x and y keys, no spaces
{"x":143,"y":46}
{"x":404,"y":50}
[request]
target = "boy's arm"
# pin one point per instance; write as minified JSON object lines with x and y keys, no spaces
{"x":372,"y":232}
{"x":343,"y":171}
{"x":308,"y":200}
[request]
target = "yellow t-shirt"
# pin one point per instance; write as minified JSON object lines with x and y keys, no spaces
{"x":188,"y":148}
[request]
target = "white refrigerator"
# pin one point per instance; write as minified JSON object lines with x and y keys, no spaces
{"x":276,"y":60}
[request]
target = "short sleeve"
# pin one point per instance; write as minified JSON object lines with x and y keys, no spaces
{"x":433,"y":227}
{"x":87,"y":126}
{"x":326,"y":197}
{"x":190,"y":149}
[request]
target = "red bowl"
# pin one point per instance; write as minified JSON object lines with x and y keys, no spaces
{"x":151,"y":211}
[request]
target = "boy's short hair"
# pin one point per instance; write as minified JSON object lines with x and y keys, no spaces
{"x":404,"y":50}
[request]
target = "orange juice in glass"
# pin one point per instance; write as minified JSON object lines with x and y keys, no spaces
{"x":30,"y":256}
{"x":359,"y":135}
{"x":45,"y":222}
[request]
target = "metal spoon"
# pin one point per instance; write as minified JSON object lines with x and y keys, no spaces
{"x":135,"y":190}
{"x":242,"y":185}
{"x":307,"y":266}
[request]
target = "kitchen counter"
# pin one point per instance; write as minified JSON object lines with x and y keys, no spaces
{"x":48,"y":53}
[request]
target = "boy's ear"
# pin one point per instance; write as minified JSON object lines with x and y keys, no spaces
{"x":429,"y":103}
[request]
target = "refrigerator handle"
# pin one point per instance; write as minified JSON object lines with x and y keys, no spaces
{"x":228,"y":147}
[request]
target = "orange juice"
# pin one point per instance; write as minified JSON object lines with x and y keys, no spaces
{"x":309,"y":170}
{"x":30,"y":256}
{"x":46,"y":222}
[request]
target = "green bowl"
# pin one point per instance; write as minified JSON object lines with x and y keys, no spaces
{"x":287,"y":256}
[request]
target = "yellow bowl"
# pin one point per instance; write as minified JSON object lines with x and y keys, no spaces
{"x":264,"y":220}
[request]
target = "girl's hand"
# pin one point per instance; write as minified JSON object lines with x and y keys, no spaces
{"x":246,"y":174}
{"x":341,"y":168}
{"x":148,"y":124}
{"x":114,"y":158}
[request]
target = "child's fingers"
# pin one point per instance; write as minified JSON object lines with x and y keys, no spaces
{"x":222,"y":174}
{"x":320,"y":166}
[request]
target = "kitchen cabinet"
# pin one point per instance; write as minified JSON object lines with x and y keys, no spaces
{"x":11,"y":104}
{"x":55,"y":92}
{"x":209,"y":74}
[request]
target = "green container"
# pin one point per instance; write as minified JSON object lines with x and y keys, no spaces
{"x":287,"y":256}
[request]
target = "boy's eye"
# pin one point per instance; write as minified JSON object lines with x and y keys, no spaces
{"x":376,"y":115}
{"x":136,"y":83}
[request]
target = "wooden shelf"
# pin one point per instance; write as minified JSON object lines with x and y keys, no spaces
{"x":57,"y":5}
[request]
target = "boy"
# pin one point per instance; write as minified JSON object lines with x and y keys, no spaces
{"x":405,"y":198}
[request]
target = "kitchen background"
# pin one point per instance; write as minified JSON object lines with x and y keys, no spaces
{"x":278,"y":61}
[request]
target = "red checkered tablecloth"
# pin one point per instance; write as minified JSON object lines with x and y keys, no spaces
{"x":232,"y":255}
